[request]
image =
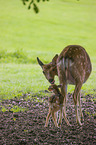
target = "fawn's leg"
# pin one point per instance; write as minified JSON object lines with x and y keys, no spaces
{"x":47,"y":118}
{"x":54,"y":119}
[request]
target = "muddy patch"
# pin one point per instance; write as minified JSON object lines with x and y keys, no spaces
{"x":22,"y":123}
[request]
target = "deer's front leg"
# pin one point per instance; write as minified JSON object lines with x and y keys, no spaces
{"x":64,"y":93}
{"x":60,"y":116}
{"x":63,"y":83}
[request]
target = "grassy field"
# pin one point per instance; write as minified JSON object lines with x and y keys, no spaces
{"x":25,"y":35}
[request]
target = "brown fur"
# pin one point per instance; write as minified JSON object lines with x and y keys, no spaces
{"x":54,"y":105}
{"x":73,"y":66}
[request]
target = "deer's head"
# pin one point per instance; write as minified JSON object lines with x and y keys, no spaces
{"x":50,"y":69}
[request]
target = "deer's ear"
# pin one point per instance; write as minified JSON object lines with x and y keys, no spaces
{"x":40,"y":62}
{"x":54,"y":59}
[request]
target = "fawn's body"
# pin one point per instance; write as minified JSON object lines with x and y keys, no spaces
{"x":54,"y":105}
{"x":73,"y":66}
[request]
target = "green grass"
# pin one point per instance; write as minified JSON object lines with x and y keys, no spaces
{"x":25,"y":35}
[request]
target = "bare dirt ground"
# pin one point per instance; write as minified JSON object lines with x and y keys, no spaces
{"x":27,"y":128}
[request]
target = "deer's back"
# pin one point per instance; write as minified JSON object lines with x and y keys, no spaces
{"x":76,"y":62}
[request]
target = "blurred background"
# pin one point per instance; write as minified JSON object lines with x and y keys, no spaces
{"x":24,"y":35}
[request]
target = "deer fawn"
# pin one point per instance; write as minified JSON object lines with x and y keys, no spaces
{"x":54,"y":104}
{"x":73,"y":66}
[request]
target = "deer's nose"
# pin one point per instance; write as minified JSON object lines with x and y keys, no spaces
{"x":51,"y":81}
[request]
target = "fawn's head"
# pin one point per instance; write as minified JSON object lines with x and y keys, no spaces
{"x":50,"y":69}
{"x":54,"y":88}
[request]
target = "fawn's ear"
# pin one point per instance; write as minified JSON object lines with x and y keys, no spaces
{"x":50,"y":88}
{"x":40,"y":62}
{"x":54,"y":59}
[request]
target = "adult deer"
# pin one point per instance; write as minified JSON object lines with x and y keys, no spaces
{"x":73,"y":66}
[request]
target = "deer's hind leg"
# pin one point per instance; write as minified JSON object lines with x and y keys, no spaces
{"x":76,"y":98}
{"x":80,"y":109}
